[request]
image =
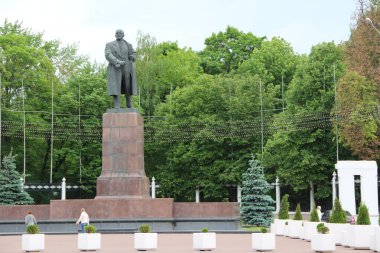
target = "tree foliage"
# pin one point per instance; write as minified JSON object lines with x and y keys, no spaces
{"x":225,"y":51}
{"x":357,"y":101}
{"x":359,"y":90}
{"x":300,"y":155}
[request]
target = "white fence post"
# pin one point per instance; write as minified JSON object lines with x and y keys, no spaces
{"x":312,"y":202}
{"x":239,"y":194}
{"x":197,"y":195}
{"x":153,"y":188}
{"x":333,"y":187}
{"x":278,"y":195}
{"x":63,"y":189}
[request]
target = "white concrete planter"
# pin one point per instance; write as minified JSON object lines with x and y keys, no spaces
{"x":33,"y":242}
{"x":337,"y":229}
{"x":377,"y":239}
{"x":263,"y":241}
{"x":309,"y":228}
{"x":302,"y":232}
{"x":345,"y":236}
{"x":279,"y":226}
{"x":286,"y":230}
{"x":323,"y":242}
{"x":272,"y":228}
{"x":360,"y":236}
{"x":204,"y":241}
{"x":89,"y":241}
{"x":295,"y":228}
{"x":145,"y":241}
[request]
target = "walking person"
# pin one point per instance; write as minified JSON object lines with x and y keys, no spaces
{"x":84,"y":220}
{"x":30,"y":219}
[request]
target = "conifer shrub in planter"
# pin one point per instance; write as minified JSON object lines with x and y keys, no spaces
{"x":283,"y":216}
{"x":295,"y":225}
{"x":145,"y":239}
{"x":263,"y":241}
{"x":322,"y":241}
{"x":310,"y":227}
{"x":361,"y":231}
{"x":205,"y":240}
{"x":33,"y":240}
{"x":337,"y":222}
{"x":90,"y":240}
{"x":283,"y":213}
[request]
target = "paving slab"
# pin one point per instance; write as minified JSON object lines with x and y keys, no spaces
{"x":167,"y":243}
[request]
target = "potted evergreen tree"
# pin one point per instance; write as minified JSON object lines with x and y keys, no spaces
{"x":257,"y":206}
{"x":322,"y":241}
{"x":89,"y":240}
{"x":33,"y":240}
{"x":145,"y":239}
{"x":338,"y":222}
{"x":205,"y":240}
{"x":310,"y":227}
{"x":283,"y":216}
{"x":359,"y":233}
{"x":295,"y":225}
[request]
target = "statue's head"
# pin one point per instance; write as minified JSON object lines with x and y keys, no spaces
{"x":119,"y":34}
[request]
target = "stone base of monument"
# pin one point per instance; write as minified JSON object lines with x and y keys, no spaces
{"x":122,"y":187}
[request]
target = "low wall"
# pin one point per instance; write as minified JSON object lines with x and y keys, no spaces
{"x":19,"y":212}
{"x":162,"y":208}
{"x":206,"y":209}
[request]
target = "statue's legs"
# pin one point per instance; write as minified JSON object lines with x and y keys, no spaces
{"x":128,"y":92}
{"x":129,"y":103}
{"x":116,"y":101}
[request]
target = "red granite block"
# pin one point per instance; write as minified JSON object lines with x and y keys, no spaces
{"x":107,"y":162}
{"x":115,"y":134}
{"x":107,"y":119}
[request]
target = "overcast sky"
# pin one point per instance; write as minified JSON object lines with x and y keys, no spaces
{"x":92,"y":23}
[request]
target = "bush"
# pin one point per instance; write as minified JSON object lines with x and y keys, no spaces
{"x":145,"y":228}
{"x":283,"y":214}
{"x":32,"y":229}
{"x":363,"y":215}
{"x":204,"y":230}
{"x":314,"y":215}
{"x":338,"y":215}
{"x":90,"y":229}
{"x":298,"y":215}
{"x":264,"y":230}
{"x":322,"y":229}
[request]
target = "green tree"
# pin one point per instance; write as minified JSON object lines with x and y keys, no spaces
{"x":283,"y":213}
{"x":11,"y":192}
{"x":358,"y":104}
{"x":256,"y":205}
{"x":225,"y":51}
{"x":298,"y":214}
{"x":338,"y":215}
{"x":300,"y":150}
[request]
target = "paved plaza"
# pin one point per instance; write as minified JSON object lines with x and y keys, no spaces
{"x":168,"y":243}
